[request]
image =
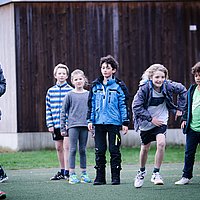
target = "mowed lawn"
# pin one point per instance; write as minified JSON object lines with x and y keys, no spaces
{"x":29,"y":177}
{"x":34,"y":184}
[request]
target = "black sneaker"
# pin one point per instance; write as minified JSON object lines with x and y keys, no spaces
{"x":3,"y":178}
{"x":58,"y":176}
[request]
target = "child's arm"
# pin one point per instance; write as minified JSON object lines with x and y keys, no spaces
{"x":49,"y":117}
{"x":91,"y":102}
{"x":64,"y":115}
{"x":139,"y":105}
{"x":2,"y":82}
{"x":123,"y":105}
{"x":181,"y":93}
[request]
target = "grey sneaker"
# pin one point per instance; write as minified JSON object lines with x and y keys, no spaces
{"x":139,"y":179}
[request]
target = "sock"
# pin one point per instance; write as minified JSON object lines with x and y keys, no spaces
{"x":156,"y":170}
{"x":66,"y":172}
{"x":142,"y":169}
{"x":62,"y":171}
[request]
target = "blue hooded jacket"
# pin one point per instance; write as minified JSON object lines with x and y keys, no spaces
{"x":108,"y":104}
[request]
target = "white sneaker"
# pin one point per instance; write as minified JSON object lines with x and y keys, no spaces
{"x":182,"y":181}
{"x":139,"y":179}
{"x":157,"y":179}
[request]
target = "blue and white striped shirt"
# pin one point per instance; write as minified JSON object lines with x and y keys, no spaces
{"x":54,"y":98}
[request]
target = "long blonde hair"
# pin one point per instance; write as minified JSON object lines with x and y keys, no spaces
{"x":149,"y":72}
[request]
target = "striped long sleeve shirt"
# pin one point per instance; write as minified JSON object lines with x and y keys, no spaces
{"x":54,"y":98}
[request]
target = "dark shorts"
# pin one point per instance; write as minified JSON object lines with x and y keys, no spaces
{"x":150,"y":135}
{"x":57,"y":135}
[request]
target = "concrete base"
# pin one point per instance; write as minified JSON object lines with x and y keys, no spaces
{"x":43,"y":140}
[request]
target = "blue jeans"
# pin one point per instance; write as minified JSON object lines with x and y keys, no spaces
{"x":192,"y":141}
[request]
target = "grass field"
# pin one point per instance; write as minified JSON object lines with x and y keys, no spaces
{"x":48,"y":159}
{"x":34,"y":184}
{"x":29,"y":174}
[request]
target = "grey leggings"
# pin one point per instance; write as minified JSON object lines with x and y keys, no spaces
{"x":77,"y":134}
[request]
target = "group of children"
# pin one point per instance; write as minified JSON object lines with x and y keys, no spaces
{"x":73,"y":111}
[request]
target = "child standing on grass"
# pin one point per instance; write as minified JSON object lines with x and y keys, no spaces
{"x":54,"y":98}
{"x":74,"y":110}
{"x":108,"y":112}
{"x":191,"y":126}
{"x":150,"y":107}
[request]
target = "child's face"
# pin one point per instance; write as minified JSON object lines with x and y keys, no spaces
{"x":107,"y":70}
{"x":78,"y":81}
{"x":197,"y":78}
{"x":158,"y":79}
{"x":61,"y":75}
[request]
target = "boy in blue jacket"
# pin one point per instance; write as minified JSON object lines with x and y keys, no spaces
{"x":191,"y":126}
{"x":108,"y":112}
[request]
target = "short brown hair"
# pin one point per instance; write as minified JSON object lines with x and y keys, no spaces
{"x":196,"y":68}
{"x":109,"y":60}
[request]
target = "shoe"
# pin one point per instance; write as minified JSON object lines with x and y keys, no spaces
{"x":2,"y":195}
{"x":73,"y":179}
{"x":85,"y":178}
{"x":100,"y":176}
{"x":139,"y":179}
{"x":66,"y":177}
{"x":157,"y":179}
{"x":58,"y":176}
{"x":3,"y":178}
{"x":115,"y":175}
{"x":182,"y":181}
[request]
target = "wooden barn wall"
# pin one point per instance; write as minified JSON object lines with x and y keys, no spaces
{"x":137,"y":34}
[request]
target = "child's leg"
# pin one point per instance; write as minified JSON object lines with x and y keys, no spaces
{"x":144,"y":149}
{"x":66,"y":155}
{"x":73,"y":139}
{"x":192,"y":140}
{"x":100,"y":151}
{"x":83,"y":137}
{"x":100,"y":145}
{"x":160,"y":138}
{"x":60,"y":153}
{"x":114,"y":139}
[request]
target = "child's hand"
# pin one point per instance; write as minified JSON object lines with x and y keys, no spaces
{"x":183,"y":124}
{"x":156,"y":122}
{"x":51,"y":129}
{"x":178,"y":114}
{"x":90,"y":126}
{"x":91,"y":129}
{"x":124,"y":129}
{"x":63,"y":133}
